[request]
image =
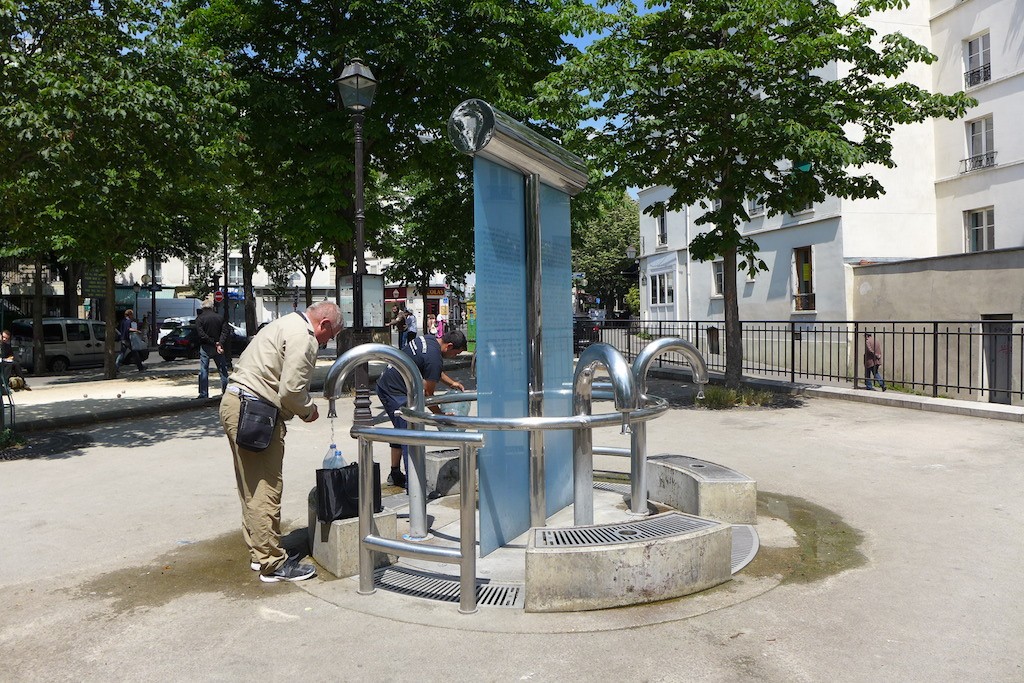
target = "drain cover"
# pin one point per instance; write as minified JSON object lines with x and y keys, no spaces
{"x":430,"y":586}
{"x":658,"y":526}
{"x":744,"y":546}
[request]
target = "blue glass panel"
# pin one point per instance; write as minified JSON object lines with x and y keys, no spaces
{"x":500,"y":242}
{"x":556,"y":336}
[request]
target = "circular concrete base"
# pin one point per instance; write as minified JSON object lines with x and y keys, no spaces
{"x":773,"y":533}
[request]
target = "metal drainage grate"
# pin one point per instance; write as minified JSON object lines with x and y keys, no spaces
{"x":613,"y":487}
{"x":421,"y":584}
{"x":669,"y":524}
{"x":744,"y":546}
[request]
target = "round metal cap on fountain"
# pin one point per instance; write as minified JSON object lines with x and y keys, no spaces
{"x":534,"y":424}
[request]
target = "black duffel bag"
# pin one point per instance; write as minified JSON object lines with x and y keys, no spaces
{"x":337,"y":492}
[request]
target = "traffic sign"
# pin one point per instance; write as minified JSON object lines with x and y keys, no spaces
{"x":218,"y":296}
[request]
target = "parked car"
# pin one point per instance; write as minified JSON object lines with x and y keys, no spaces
{"x":170,"y":324}
{"x":68,"y":343}
{"x":585,"y":331}
{"x":183,"y":342}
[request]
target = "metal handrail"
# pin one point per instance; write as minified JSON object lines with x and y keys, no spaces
{"x":659,"y":407}
{"x":369,"y":542}
{"x":410,"y":374}
{"x":627,"y":400}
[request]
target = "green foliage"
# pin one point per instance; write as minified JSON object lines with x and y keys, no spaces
{"x":428,"y":56}
{"x":9,"y":438}
{"x":111,"y":128}
{"x":720,"y":397}
{"x":718,"y":99}
{"x":605,"y":222}
{"x":633,"y":300}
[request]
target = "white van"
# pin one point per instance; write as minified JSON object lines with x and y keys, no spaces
{"x":68,"y":343}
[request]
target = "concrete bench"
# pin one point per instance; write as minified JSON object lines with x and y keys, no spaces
{"x":702,"y":488}
{"x":335,"y":546}
{"x":626,"y":563}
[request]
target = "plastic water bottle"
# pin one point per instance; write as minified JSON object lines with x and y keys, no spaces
{"x":333,"y":459}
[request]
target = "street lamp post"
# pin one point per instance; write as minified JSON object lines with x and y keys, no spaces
{"x":136,"y":288}
{"x":357,"y":87}
{"x":631,"y":254}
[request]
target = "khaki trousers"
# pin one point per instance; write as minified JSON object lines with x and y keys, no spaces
{"x":260,"y":483}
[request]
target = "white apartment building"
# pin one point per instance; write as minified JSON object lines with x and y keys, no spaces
{"x":957,"y":188}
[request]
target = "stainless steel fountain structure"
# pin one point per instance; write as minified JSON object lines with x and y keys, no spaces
{"x":478,"y":129}
{"x":633,"y":409}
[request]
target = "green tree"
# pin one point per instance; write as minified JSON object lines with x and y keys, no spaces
{"x":734,"y":99}
{"x":113,"y":132}
{"x":428,"y":56}
{"x":605,"y":224}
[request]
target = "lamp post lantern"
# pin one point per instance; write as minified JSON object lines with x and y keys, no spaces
{"x":357,"y":87}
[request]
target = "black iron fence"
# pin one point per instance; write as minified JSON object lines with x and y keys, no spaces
{"x":974,"y":360}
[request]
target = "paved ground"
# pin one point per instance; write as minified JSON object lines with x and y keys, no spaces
{"x":122,"y":558}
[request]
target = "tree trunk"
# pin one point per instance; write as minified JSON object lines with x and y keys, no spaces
{"x":110,"y":319}
{"x":733,"y":338}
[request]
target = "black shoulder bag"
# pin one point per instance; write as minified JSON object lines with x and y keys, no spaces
{"x":256,"y":422}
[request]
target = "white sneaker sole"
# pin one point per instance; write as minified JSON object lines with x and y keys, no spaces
{"x":275,"y":579}
{"x":255,"y":566}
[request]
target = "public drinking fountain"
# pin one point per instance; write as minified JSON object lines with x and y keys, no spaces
{"x":527,"y":389}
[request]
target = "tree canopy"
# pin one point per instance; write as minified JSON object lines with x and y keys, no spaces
{"x":112,"y":133}
{"x":730,"y":100}
{"x":605,"y":225}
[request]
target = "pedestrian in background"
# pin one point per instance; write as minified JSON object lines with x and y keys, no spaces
{"x":7,"y":356}
{"x":276,"y":369}
{"x":125,"y":330}
{"x":213,"y":335}
{"x":410,"y":326}
{"x":872,"y":362}
{"x":398,"y":319}
{"x":428,"y":354}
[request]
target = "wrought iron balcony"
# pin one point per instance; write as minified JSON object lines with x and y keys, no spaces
{"x":977,"y":76}
{"x":977,"y":161}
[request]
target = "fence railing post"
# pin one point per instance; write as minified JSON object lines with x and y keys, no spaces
{"x":854,"y":375}
{"x":935,"y":360}
{"x":792,"y":352}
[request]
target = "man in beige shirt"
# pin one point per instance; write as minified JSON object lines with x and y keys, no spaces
{"x":277,"y":367}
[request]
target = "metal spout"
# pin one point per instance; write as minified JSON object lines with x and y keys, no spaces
{"x":638,"y":441}
{"x":656,"y":348}
{"x":623,"y":385}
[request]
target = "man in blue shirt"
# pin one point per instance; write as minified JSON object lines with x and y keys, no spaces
{"x":428,"y":354}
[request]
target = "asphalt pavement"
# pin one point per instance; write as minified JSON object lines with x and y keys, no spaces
{"x":890,"y":552}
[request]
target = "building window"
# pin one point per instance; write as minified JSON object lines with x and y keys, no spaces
{"x":803,"y":299}
{"x":662,"y":289}
{"x":716,"y":204}
{"x":978,"y":67}
{"x":235,"y":271}
{"x":718,"y":278}
{"x":980,"y":228}
{"x":981,"y":151}
{"x":809,"y":206}
{"x":755,"y":206}
{"x":661,"y":224}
